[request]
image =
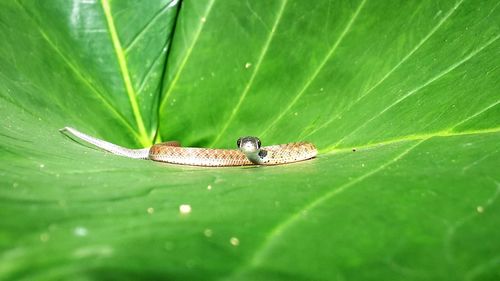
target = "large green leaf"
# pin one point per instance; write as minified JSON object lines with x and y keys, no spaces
{"x":401,"y":98}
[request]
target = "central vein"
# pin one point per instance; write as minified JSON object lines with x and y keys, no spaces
{"x":144,"y":139}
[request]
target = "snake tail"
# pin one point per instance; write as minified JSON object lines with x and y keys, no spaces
{"x":142,"y":153}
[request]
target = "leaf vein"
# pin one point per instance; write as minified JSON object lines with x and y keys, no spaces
{"x":254,"y":73}
{"x":150,"y":23}
{"x":476,"y":114}
{"x":122,"y":62}
{"x":151,"y":67}
{"x":186,"y":57}
{"x":318,"y":69}
{"x":428,"y":82}
{"x":444,"y":133}
{"x":79,"y":75}
{"x":277,"y":231}
{"x":401,"y":62}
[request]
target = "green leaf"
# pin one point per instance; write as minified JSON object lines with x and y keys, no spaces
{"x":401,"y":98}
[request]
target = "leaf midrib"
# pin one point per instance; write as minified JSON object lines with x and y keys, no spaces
{"x":122,"y":62}
{"x":445,"y":133}
{"x":78,"y":74}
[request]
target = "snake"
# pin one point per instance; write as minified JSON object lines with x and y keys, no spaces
{"x":249,"y":152}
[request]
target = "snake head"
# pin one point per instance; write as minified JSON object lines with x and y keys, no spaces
{"x":249,"y":145}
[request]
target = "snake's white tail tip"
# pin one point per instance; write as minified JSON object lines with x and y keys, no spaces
{"x":110,"y":147}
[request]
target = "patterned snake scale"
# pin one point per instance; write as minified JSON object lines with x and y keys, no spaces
{"x":171,"y":152}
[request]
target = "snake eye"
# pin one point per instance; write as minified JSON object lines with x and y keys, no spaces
{"x":238,"y":142}
{"x":258,"y":143}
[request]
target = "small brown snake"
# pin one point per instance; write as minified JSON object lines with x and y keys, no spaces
{"x":249,"y":152}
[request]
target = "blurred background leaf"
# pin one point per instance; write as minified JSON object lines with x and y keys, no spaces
{"x":402,"y":99}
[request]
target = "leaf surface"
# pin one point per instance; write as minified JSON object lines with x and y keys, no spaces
{"x":402,"y":99}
